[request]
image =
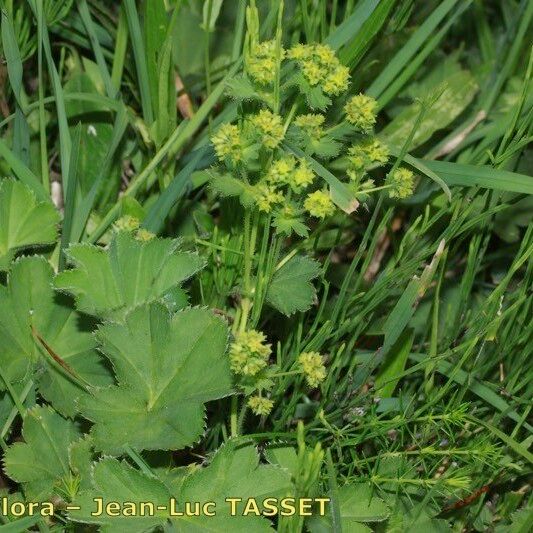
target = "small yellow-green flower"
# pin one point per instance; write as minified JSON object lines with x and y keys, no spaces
{"x":320,"y":66}
{"x":376,"y":151}
{"x":313,"y":71}
{"x":356,"y":158}
{"x":144,"y":235}
{"x":312,"y":124}
{"x":302,"y":176}
{"x":337,"y":81}
{"x":361,"y":112}
{"x":260,"y":406}
{"x":401,"y":183}
{"x":367,"y":153}
{"x":249,"y":353}
{"x":267,"y":197}
{"x":255,"y":340}
{"x":325,"y":54}
{"x":310,"y":121}
{"x":280,"y":171}
{"x":261,"y":63}
{"x":319,"y":204}
{"x":127,"y":223}
{"x":270,"y":128}
{"x":227,"y":142}
{"x":300,"y":51}
{"x":312,"y":364}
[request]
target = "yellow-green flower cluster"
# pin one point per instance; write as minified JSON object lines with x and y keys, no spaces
{"x":300,"y":52}
{"x":357,"y":159}
{"x":144,"y":235}
{"x":249,"y":353}
{"x":361,"y":112}
{"x":269,"y":126}
{"x":260,"y":406}
{"x":319,"y":65}
{"x":127,"y":223}
{"x":312,"y":364}
{"x":132,"y":224}
{"x":228,"y":143}
{"x":367,"y":153}
{"x":319,"y":204}
{"x":375,"y":151}
{"x":289,"y":171}
{"x":261,"y":63}
{"x":312,"y":124}
{"x":337,"y":81}
{"x":401,"y":183}
{"x":302,"y":177}
{"x":280,"y":171}
{"x":267,"y":197}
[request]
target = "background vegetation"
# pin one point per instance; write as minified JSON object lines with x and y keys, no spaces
{"x":421,"y":306}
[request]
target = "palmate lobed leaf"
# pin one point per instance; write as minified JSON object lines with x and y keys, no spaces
{"x":24,"y":221}
{"x":109,"y":282}
{"x":227,"y":186}
{"x":42,"y":459}
{"x":29,"y":301}
{"x":233,"y":472}
{"x":291,"y":289}
{"x":167,"y":366}
{"x":114,"y":480}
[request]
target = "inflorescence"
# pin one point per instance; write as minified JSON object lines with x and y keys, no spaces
{"x":275,"y":153}
{"x":249,"y":356}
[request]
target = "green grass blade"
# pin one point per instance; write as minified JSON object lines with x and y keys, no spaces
{"x":84,"y":209}
{"x":239,"y":30}
{"x":139,"y":54}
{"x":334,"y":504}
{"x":114,"y":105}
{"x":402,"y":59}
{"x":12,"y":57}
{"x":403,"y":311}
{"x":515,"y":37}
{"x":421,"y":167}
{"x":348,"y":30}
{"x":70,"y":197}
{"x":97,"y":49}
{"x":178,"y":186}
{"x":394,"y":364}
{"x":22,"y":172}
{"x":21,"y":132}
{"x":43,"y":143}
{"x":480,"y":176}
{"x":64,"y":134}
{"x":174,"y":143}
{"x":21,"y":137}
{"x":353,"y":51}
{"x":165,"y":89}
{"x":121,"y":45}
{"x":155,"y":29}
{"x":414,"y":65}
